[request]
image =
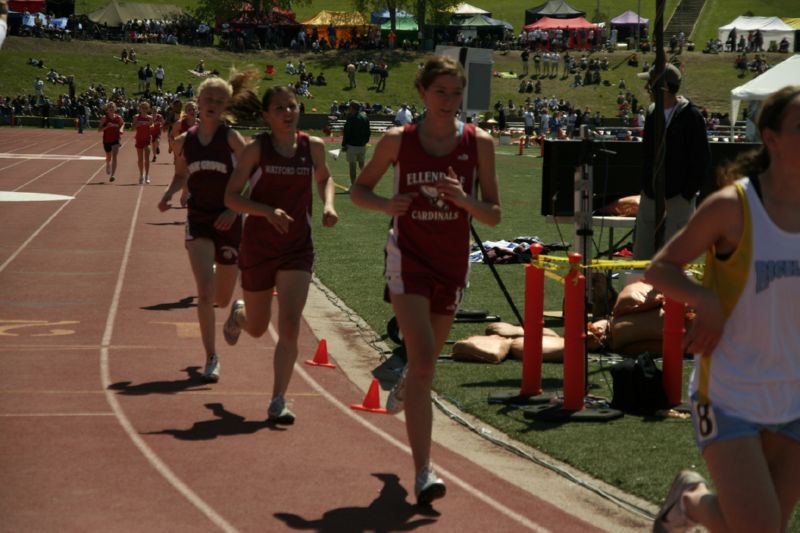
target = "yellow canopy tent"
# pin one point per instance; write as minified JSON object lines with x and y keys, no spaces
{"x":342,"y":21}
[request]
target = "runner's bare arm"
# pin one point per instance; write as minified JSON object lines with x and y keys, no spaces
{"x":325,"y":185}
{"x":385,"y":155}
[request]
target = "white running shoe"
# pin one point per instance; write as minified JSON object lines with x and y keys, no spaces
{"x":147,"y":179}
{"x":279,"y":413}
{"x":231,"y":330}
{"x":112,"y":178}
{"x":428,"y":486}
{"x":211,"y":372}
{"x":672,"y":516}
{"x":395,"y":403}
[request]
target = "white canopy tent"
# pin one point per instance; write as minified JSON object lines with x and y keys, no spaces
{"x":759,"y":88}
{"x":465,"y":9}
{"x":771,"y":28}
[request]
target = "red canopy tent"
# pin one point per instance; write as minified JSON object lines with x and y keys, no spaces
{"x":547,"y":23}
{"x":31,"y":6}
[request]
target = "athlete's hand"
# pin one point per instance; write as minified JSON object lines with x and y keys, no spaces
{"x":706,"y":328}
{"x":164,"y":204}
{"x":225,"y":220}
{"x":450,"y":189}
{"x":398,"y":205}
{"x":280,"y":219}
{"x":329,"y":217}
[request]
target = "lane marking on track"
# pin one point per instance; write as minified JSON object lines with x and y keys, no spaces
{"x":55,"y":157}
{"x":105,"y":376}
{"x":34,"y":415}
{"x":48,"y":171}
{"x":46,"y":222}
{"x":510,"y":513}
{"x":47,"y":152}
{"x":12,"y":196}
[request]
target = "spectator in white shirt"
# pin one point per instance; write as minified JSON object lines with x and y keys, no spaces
{"x":403,"y":116}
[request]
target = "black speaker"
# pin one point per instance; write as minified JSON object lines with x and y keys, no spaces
{"x":615,"y":175}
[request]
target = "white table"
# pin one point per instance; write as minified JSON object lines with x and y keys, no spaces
{"x":601,"y":223}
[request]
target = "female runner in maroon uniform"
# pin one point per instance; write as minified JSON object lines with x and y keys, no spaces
{"x":438,"y":165}
{"x":111,"y":125}
{"x":277,"y":251}
{"x":142,"y":124}
{"x":205,"y":157}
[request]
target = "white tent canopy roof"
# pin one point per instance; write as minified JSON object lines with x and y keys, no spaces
{"x":466,"y":9}
{"x":772,"y":28}
{"x":759,"y":88}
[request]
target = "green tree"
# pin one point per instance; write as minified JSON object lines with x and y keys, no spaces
{"x":212,"y":10}
{"x":436,"y":10}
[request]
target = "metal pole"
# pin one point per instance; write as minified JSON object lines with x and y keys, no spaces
{"x":638,"y":24}
{"x":659,"y":137}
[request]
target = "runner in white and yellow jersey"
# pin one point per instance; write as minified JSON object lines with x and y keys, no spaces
{"x":745,"y":388}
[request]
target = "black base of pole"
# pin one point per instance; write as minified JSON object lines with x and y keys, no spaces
{"x":510,"y":397}
{"x":557,"y":413}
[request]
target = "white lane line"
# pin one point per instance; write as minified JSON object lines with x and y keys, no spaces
{"x":8,"y":196}
{"x":24,"y":415}
{"x":510,"y":513}
{"x":44,"y":224}
{"x":57,"y":157}
{"x":47,"y":152}
{"x":123,"y":420}
{"x":48,"y":172}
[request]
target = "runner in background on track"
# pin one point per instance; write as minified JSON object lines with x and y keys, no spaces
{"x":142,"y":125}
{"x":112,"y":127}
{"x":155,"y":133}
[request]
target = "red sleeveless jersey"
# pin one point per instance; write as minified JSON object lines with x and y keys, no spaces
{"x":158,"y":123}
{"x":286,"y":183}
{"x":432,"y":238}
{"x":111,"y":135}
{"x":142,"y":125}
{"x":210,"y":167}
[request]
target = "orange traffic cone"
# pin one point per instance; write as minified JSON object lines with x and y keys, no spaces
{"x":321,"y":356}
{"x":372,"y":401}
{"x":274,"y":292}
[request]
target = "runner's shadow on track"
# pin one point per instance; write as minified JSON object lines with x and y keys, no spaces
{"x":183,"y":303}
{"x":193,"y":381}
{"x":176,"y":223}
{"x":225,"y":425}
{"x":388,"y":512}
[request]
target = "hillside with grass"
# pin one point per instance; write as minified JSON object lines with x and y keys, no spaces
{"x":708,"y":78}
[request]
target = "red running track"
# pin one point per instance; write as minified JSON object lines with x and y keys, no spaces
{"x":104,"y":425}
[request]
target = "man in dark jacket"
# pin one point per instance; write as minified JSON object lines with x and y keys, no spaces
{"x":355,"y":138}
{"x":687,"y":159}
